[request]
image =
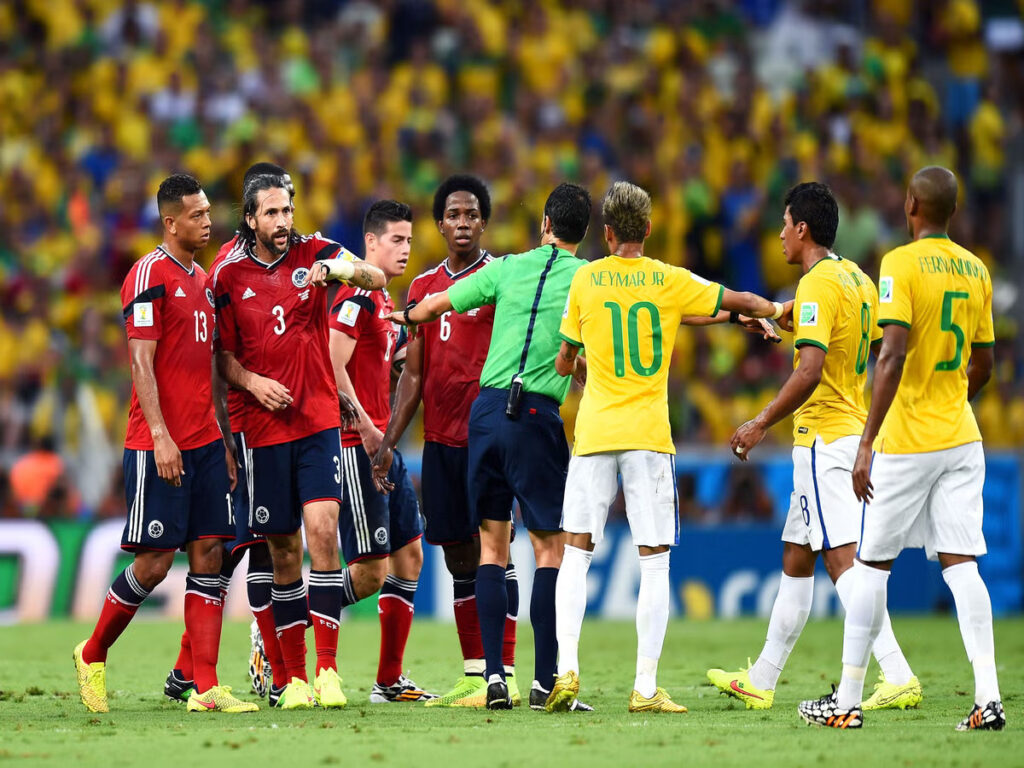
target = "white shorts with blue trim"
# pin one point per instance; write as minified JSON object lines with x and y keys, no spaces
{"x":823,"y":511}
{"x":931,"y":500}
{"x":648,"y":485}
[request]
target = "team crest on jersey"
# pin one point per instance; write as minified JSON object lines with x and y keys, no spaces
{"x":262,"y":515}
{"x":809,"y":313}
{"x":885,"y":290}
{"x":156,"y":529}
{"x":299,"y":277}
{"x":209,"y":297}
{"x":381,"y":535}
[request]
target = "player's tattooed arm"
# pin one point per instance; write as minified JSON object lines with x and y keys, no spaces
{"x":169,"y":465}
{"x":220,"y":409}
{"x":348,"y":268}
{"x":271,"y":394}
{"x":567,"y":359}
{"x":368,"y":276}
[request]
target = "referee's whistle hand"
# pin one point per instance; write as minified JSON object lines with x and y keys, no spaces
{"x":397,"y":317}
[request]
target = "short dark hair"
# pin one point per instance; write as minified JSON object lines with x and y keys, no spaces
{"x":568,"y":208}
{"x":174,"y":188}
{"x":462,"y":182}
{"x":250,"y":193}
{"x":262,"y":169}
{"x":812,"y":203}
{"x":382,"y":213}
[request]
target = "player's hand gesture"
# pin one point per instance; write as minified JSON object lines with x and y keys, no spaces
{"x":862,"y":487}
{"x":271,"y":394}
{"x":579,"y":374}
{"x":372,"y":438}
{"x":745,"y":438}
{"x":169,"y":465}
{"x":349,"y":412}
{"x":317,"y":276}
{"x":761,"y":326}
{"x":786,"y":321}
{"x":381,"y":467}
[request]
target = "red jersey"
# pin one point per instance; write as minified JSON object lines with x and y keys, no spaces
{"x":235,"y":398}
{"x":362,"y":315}
{"x":167,"y":303}
{"x":279,"y":330}
{"x":454,"y":350}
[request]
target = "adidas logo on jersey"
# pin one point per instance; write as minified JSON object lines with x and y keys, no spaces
{"x":179,"y":293}
{"x":249,"y":293}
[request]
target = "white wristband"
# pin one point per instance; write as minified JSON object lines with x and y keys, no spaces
{"x":339,"y":269}
{"x":779,"y":309}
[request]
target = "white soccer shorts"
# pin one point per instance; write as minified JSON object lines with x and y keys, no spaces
{"x":823,"y":511}
{"x":648,"y":484}
{"x":925,"y":499}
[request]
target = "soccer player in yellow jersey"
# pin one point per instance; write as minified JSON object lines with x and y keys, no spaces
{"x":834,"y":320}
{"x":625,"y":309}
{"x":920,"y":467}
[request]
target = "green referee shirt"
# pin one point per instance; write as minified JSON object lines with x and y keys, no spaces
{"x":511,"y":285}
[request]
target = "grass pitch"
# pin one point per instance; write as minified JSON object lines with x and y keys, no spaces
{"x":42,"y":721}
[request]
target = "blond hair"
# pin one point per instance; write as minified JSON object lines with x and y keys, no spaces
{"x":627,"y":209}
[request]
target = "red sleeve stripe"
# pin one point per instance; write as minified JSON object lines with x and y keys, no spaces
{"x":143,"y":270}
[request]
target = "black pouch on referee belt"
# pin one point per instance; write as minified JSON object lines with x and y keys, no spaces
{"x":515,"y":389}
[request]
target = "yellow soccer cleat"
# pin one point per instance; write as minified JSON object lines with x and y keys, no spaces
{"x":296,"y":695}
{"x":659,"y":702}
{"x":563,"y":693}
{"x":891,"y":696}
{"x":219,"y":699}
{"x":92,"y":681}
{"x":513,"y":688}
{"x":469,"y":691}
{"x":737,"y":684}
{"x":327,"y":690}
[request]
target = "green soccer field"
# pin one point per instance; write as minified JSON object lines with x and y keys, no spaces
{"x":42,"y":721}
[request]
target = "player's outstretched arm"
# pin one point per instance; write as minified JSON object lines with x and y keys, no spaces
{"x":979,"y":369}
{"x":751,"y":305}
{"x":888,"y":373}
{"x":169,"y":465}
{"x":219,"y":388}
{"x":347,"y":268}
{"x":425,"y":311}
{"x":759,"y":325}
{"x":408,"y":394}
{"x":798,"y":387}
{"x":271,"y":394}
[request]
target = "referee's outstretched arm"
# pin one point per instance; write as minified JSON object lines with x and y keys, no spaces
{"x":426,"y":311}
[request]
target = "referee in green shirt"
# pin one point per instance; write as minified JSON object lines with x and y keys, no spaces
{"x":517,"y":447}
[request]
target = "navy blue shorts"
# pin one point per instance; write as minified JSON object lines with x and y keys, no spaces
{"x":240,"y":501}
{"x":163,"y":517}
{"x":284,"y":478}
{"x":374,"y":524}
{"x":525,"y":459}
{"x":444,"y":483}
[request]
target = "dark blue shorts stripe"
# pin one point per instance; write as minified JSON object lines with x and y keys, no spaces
{"x":817,"y":500}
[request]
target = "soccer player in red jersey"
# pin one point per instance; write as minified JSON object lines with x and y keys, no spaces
{"x":265,"y":652}
{"x":443,"y":363}
{"x":380,"y":532}
{"x":273,"y":344}
{"x":177,"y":479}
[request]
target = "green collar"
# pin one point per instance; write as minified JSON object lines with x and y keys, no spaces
{"x":936,"y":236}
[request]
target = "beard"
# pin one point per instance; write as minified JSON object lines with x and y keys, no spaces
{"x":273,"y":247}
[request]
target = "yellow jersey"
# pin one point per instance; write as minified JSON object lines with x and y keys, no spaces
{"x":625,"y":313}
{"x":943,"y":294}
{"x":836,"y":309}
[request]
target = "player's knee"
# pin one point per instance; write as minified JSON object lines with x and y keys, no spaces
{"x":462,"y":559}
{"x":407,"y":562}
{"x":259,"y":557}
{"x":368,"y":576}
{"x":548,"y":549}
{"x":152,"y":568}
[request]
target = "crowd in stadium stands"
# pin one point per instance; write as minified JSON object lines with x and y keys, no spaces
{"x":715,"y":107}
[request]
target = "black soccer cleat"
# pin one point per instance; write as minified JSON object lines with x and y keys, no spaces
{"x":988,"y":718}
{"x":538,"y":697}
{"x":826,"y":712}
{"x":497,"y":695}
{"x":274,"y":694}
{"x":177,"y":688}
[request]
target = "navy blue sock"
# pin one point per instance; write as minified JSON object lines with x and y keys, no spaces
{"x":542,"y":617}
{"x":491,"y":607}
{"x":258,"y":583}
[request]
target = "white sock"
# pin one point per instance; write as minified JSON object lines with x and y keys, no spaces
{"x":570,"y":606}
{"x":974,"y":612}
{"x":864,"y":613}
{"x":651,"y":621}
{"x":789,"y":615}
{"x":886,"y":649}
